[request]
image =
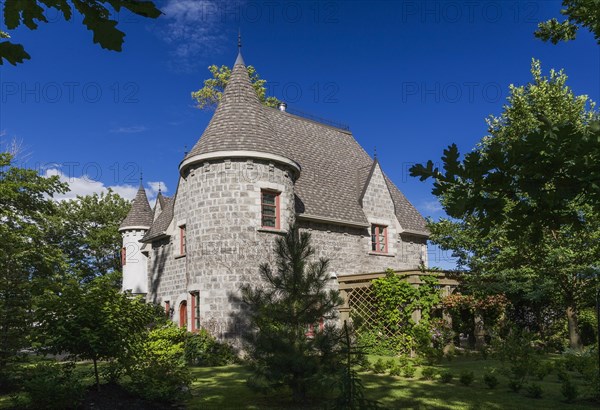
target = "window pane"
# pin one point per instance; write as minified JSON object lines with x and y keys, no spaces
{"x":378,"y":236}
{"x":268,"y":211}
{"x":268,"y":199}
{"x":270,"y":222}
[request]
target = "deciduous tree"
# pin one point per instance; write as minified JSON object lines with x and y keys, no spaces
{"x":209,"y":96}
{"x":29,"y":261}
{"x":526,"y":200}
{"x":94,"y":321}
{"x":579,"y":13}
{"x":88,"y":233}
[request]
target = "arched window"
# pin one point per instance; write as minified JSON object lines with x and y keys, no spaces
{"x":183,"y":314}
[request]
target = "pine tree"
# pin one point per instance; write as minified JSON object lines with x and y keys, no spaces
{"x":285,"y":341}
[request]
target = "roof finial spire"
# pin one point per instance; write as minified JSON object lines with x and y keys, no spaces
{"x":141,"y":177}
{"x":375,"y":152}
{"x":159,"y":190}
{"x":239,"y":59}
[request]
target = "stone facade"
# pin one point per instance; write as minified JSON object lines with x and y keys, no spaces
{"x":245,"y":150}
{"x":219,"y":204}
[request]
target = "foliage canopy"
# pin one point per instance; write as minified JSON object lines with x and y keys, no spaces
{"x":525,"y":201}
{"x":97,"y":17}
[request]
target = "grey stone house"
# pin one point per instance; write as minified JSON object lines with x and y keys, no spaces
{"x":254,"y":171}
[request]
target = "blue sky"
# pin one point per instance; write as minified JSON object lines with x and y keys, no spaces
{"x":408,"y":78}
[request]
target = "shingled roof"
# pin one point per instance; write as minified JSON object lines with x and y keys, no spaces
{"x":335,"y":168}
{"x":239,"y":122}
{"x":140,"y":214}
{"x":162,"y":222}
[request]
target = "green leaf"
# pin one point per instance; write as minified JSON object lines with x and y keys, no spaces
{"x":13,"y":53}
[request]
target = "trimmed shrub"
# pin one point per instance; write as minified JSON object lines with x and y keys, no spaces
{"x":562,"y":375}
{"x":53,"y":385}
{"x":396,"y":370}
{"x":534,"y":390}
{"x":403,"y":361}
{"x":379,"y":367}
{"x":542,"y":370}
{"x":569,"y":390}
{"x":409,"y":371}
{"x":446,"y":376}
{"x":466,"y":377}
{"x":490,"y":380}
{"x":160,"y":372}
{"x":429,"y":373}
{"x":202,"y":349}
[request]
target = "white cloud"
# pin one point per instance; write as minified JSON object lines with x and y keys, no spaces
{"x":129,"y":130}
{"x":432,"y":206}
{"x":193,"y":29}
{"x":155,"y":186}
{"x":85,"y":185}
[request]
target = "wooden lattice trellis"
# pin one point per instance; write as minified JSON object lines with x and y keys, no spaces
{"x":360,"y":302}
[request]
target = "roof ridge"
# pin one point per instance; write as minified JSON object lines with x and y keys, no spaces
{"x":311,"y":120}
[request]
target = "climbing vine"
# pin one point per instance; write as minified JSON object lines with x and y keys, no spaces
{"x":391,"y":328}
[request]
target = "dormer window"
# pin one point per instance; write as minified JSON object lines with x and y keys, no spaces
{"x":269,"y":209}
{"x":379,"y":241}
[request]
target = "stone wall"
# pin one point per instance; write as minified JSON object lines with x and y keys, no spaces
{"x":349,"y":249}
{"x":219,"y":203}
{"x":166,"y":275}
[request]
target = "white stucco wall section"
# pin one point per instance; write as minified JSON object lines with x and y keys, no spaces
{"x":135,"y":275}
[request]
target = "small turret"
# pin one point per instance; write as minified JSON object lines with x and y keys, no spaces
{"x":133,"y":228}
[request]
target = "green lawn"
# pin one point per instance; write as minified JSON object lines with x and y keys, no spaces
{"x":224,"y":388}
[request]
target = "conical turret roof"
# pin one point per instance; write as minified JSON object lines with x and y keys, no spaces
{"x":239,"y":122}
{"x":140,"y":214}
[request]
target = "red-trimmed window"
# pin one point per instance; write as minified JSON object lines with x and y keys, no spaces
{"x":182,"y":240}
{"x":123,"y":256}
{"x":269,"y":201}
{"x":168,"y":308}
{"x":379,"y":242}
{"x":195,"y":311}
{"x":183,"y":314}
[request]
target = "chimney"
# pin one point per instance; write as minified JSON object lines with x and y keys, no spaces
{"x":282,"y":106}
